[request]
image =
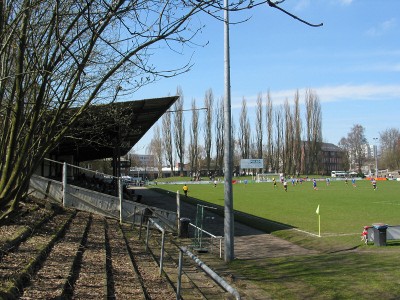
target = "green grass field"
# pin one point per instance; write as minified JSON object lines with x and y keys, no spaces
{"x":343,"y":267}
{"x":344,"y":209}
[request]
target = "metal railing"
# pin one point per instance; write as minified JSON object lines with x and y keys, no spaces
{"x":214,"y":276}
{"x":212,"y":236}
{"x":86,"y":198}
{"x":162,"y":230}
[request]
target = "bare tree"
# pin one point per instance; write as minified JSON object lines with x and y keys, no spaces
{"x":61,"y":54}
{"x":390,"y":148}
{"x":287,"y":155}
{"x":156,"y":149}
{"x":314,"y":132}
{"x":208,"y":122}
{"x":236,"y":150}
{"x":259,"y":127}
{"x":279,"y":145}
{"x":194,"y":140}
{"x":269,"y":122}
{"x":343,"y":144}
{"x":219,"y":136}
{"x":355,"y":144}
{"x":167,"y":141}
{"x":179,"y":130}
{"x":297,"y":134}
{"x":244,"y":132}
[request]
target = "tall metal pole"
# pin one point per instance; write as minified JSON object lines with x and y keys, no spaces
{"x":228,"y":194}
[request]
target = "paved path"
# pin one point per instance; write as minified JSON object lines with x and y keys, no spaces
{"x":250,"y":243}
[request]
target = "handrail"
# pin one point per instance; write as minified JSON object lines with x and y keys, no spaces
{"x":78,"y":167}
{"x":212,"y":236}
{"x":206,"y":232}
{"x":214,"y":276}
{"x":163,"y":219}
{"x":160,"y":228}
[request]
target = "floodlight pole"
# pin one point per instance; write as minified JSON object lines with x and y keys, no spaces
{"x":228,"y":194}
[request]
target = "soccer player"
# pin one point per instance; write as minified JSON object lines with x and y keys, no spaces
{"x":185,"y":190}
{"x":353,"y":182}
{"x":285,"y":185}
{"x":274,"y":181}
{"x":374,"y":184}
{"x":314,"y":182}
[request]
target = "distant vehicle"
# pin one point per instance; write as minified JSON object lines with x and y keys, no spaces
{"x":339,"y":174}
{"x":129,"y":180}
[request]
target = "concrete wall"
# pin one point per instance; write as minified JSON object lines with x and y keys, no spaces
{"x":95,"y":202}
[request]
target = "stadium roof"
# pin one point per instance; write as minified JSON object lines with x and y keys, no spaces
{"x":112,"y":129}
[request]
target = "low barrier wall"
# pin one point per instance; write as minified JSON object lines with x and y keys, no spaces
{"x":99,"y":203}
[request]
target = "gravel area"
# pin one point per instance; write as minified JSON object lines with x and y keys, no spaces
{"x":126,"y":284}
{"x":50,"y":280}
{"x":92,"y":282}
{"x":156,"y":287}
{"x":14,"y":262}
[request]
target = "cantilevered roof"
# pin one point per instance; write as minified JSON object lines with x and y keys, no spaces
{"x":106,"y":128}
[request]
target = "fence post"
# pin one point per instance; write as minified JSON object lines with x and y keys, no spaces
{"x":162,"y":252}
{"x":64,"y":183}
{"x":121,"y":196}
{"x":220,"y":248}
{"x":147,"y":235}
{"x":178,"y":211}
{"x":141,"y":224}
{"x":134,"y":215}
{"x":178,"y":288}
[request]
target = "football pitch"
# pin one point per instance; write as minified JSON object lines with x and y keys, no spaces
{"x":344,"y":209}
{"x":343,"y":267}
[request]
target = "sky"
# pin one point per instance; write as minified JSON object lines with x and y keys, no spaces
{"x":352,"y":63}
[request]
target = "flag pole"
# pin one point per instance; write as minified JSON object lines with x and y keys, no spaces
{"x":319,"y":221}
{"x":319,"y":225}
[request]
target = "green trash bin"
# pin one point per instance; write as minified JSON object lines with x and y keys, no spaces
{"x":380,"y":234}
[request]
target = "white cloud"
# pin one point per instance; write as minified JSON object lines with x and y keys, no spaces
{"x":301,"y":5}
{"x":381,"y":68}
{"x":382,"y":28}
{"x":346,"y":92}
{"x":345,"y":2}
{"x":358,"y":92}
{"x":304,"y":4}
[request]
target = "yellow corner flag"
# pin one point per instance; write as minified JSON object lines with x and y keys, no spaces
{"x":317,"y":211}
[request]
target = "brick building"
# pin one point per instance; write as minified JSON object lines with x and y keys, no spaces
{"x":329,"y":158}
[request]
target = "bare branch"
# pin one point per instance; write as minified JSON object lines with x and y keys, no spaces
{"x":274,"y":5}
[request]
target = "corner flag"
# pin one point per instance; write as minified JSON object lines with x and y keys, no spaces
{"x":319,"y":221}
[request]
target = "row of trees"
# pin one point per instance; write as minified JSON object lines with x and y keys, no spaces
{"x":357,"y":148}
{"x":277,"y":135}
{"x":389,"y":141}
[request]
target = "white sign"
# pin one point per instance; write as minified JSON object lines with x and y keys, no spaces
{"x":251,"y":163}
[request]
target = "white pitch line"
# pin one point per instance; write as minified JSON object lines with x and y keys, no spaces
{"x":325,"y":234}
{"x":386,"y":202}
{"x":341,"y":234}
{"x":306,"y":232}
